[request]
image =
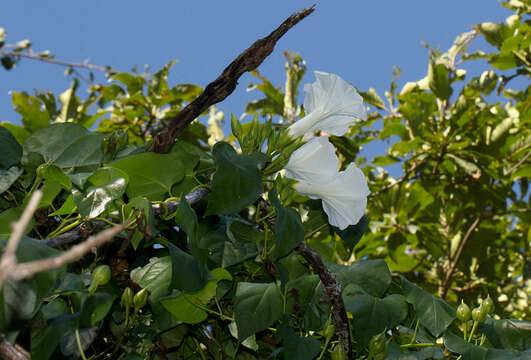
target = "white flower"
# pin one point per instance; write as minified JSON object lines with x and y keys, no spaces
{"x":331,"y":105}
{"x":344,"y":196}
{"x":313,"y":162}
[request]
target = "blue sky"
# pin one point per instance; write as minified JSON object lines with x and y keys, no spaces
{"x":359,"y":40}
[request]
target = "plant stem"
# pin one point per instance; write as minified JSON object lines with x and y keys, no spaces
{"x":79,"y":347}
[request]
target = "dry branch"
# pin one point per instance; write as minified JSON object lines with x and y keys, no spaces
{"x":333,"y":293}
{"x":225,"y":84}
{"x":33,"y":56}
{"x":11,"y":352}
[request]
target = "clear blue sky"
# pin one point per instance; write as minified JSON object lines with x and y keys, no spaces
{"x":359,"y":40}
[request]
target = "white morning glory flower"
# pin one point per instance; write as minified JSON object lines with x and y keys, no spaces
{"x":344,"y":196}
{"x":331,"y":105}
{"x":314,"y":162}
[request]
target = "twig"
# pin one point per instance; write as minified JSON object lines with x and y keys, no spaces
{"x":333,"y":293}
{"x":84,"y":230}
{"x":76,"y":252}
{"x":9,"y":259}
{"x":397,"y":182}
{"x":11,"y":352}
{"x":518,"y":164}
{"x":225,"y":84}
{"x":33,"y":56}
{"x":448,"y":279}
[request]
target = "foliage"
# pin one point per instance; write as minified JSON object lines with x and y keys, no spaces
{"x":221,"y":278}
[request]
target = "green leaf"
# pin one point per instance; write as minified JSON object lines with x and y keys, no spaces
{"x":439,"y":80}
{"x":186,"y":218}
{"x":50,"y":190}
{"x":95,"y":199}
{"x":95,"y":308}
{"x":10,"y":149}
{"x":297,"y":347}
{"x":33,"y":290}
{"x":19,"y":132}
{"x":54,"y":173}
{"x":472,"y":352}
{"x":8,"y":178}
{"x":353,"y":233}
{"x":288,"y":227}
{"x":508,"y":333}
{"x":373,"y":276}
{"x":33,"y":117}
{"x":257,"y":307}
{"x":155,"y":276}
{"x":187,"y":307}
{"x":187,"y":273}
{"x":395,"y":353}
{"x":66,"y":145}
{"x":106,"y":175}
{"x":151,"y":175}
{"x":385,"y":160}
{"x":434,"y":314}
{"x":469,"y":167}
{"x":373,"y":315}
{"x":237,"y":182}
{"x":46,"y":336}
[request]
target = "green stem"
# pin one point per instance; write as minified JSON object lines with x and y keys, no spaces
{"x":474,"y":327}
{"x":79,"y":347}
{"x":63,"y":229}
{"x":419,"y":345}
{"x":200,"y":351}
{"x":324,"y":349}
{"x":464,"y":329}
{"x":415,"y":333}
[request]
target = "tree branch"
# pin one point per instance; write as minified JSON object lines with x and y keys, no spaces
{"x":397,"y":182}
{"x":84,"y":230}
{"x":34,"y":56}
{"x":225,"y":84}
{"x":448,"y":279}
{"x":9,"y":260}
{"x":10,"y":352}
{"x":333,"y":293}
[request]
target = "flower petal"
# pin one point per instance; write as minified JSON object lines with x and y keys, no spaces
{"x":344,"y":197}
{"x":332,"y":104}
{"x":314,"y":162}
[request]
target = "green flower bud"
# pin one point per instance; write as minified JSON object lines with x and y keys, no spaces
{"x":337,"y":353}
{"x":463,"y":312}
{"x":140,"y":299}
{"x":101,"y":275}
{"x":41,"y":170}
{"x":329,"y":331}
{"x":127,"y":298}
{"x":488,"y":304}
{"x":378,"y":344}
{"x":479,"y":314}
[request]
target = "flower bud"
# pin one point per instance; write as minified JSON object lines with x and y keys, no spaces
{"x":127,"y":298}
{"x":378,"y":345}
{"x":463,"y":312}
{"x":479,"y":314}
{"x":488,"y":304}
{"x":329,"y":331}
{"x":101,"y":275}
{"x":140,"y":299}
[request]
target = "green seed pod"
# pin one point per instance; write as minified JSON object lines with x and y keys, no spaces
{"x":479,"y":314}
{"x":101,"y":275}
{"x":488,"y":304}
{"x":463,"y":312}
{"x":337,"y":353}
{"x":140,"y":299}
{"x":127,"y":298}
{"x":378,"y":344}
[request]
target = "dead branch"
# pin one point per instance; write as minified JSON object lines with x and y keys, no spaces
{"x":448,"y":279}
{"x":333,"y":293}
{"x":225,"y":84}
{"x":34,"y":56}
{"x":9,"y":260}
{"x":11,"y":352}
{"x":85,"y":230}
